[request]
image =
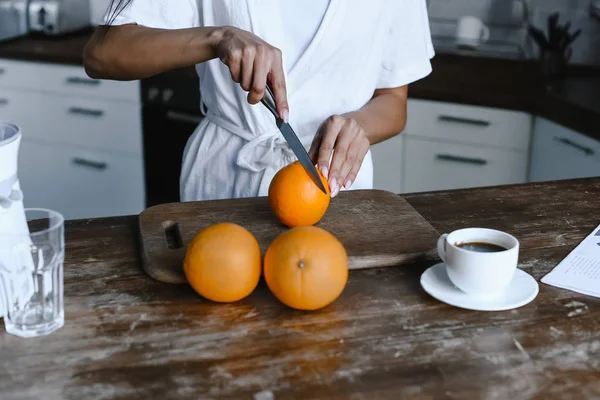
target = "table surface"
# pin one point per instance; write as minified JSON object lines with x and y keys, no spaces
{"x":127,"y":336}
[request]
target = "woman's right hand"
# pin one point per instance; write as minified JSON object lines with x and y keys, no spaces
{"x":253,"y":63}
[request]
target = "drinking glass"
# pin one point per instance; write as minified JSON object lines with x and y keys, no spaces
{"x":31,"y":274}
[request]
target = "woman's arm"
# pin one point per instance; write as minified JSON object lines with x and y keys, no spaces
{"x":129,"y":52}
{"x":132,"y":51}
{"x":384,"y":116}
{"x":351,"y":135}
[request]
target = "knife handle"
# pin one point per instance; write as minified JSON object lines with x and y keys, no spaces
{"x":268,"y":101}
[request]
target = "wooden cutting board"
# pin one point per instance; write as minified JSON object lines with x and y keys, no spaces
{"x":377,"y":228}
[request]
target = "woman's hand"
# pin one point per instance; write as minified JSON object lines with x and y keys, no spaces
{"x":349,"y":136}
{"x":253,"y":63}
{"x":342,"y":136}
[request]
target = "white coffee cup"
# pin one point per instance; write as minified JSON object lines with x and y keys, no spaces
{"x":479,"y":273}
{"x":471,"y":32}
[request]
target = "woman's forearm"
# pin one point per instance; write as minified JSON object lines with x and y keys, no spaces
{"x":132,"y":51}
{"x":384,"y":115}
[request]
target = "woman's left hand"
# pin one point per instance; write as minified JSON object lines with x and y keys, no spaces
{"x":342,"y":136}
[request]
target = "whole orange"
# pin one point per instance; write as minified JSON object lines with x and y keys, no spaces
{"x":223,"y":263}
{"x":295,"y":199}
{"x":306,"y":268}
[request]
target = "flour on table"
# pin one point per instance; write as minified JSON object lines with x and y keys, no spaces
{"x":264,"y":395}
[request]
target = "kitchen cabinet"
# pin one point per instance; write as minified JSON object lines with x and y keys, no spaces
{"x":473,"y":125}
{"x":64,"y":79}
{"x":452,"y":146}
{"x":88,"y":122}
{"x":388,"y":159}
{"x":81,"y":152}
{"x":80,"y":182}
{"x":561,"y":153}
{"x":432,"y":165}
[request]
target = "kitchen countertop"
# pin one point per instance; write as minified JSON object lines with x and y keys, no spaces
{"x":517,"y":85}
{"x":128,"y":336}
{"x":583,"y":92}
{"x":487,"y":81}
{"x":66,"y":49}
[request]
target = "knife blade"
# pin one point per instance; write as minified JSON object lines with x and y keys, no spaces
{"x":300,"y":152}
{"x":291,"y":138}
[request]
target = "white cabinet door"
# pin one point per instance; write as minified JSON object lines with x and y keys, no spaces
{"x":80,"y":183}
{"x":433,"y":165}
{"x":101,"y":124}
{"x":469,"y":124}
{"x":64,"y":79}
{"x":387,"y":164}
{"x":561,"y":153}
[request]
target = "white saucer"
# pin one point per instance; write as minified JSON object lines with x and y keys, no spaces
{"x":520,"y":291}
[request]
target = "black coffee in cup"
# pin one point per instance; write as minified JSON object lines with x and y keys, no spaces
{"x":481,"y":247}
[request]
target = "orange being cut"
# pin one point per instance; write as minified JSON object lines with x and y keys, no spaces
{"x":295,"y":199}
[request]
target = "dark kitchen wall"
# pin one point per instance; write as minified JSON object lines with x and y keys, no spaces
{"x":505,"y":19}
{"x":587,"y":47}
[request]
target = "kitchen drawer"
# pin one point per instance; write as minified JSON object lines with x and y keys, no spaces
{"x":469,"y":124}
{"x":387,"y":164}
{"x":561,"y":153}
{"x":80,"y":183}
{"x":64,"y":79}
{"x":432,"y":165}
{"x":92,"y":123}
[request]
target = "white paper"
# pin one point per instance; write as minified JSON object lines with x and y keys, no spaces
{"x":580,"y":270}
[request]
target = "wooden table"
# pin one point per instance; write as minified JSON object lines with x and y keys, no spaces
{"x":127,"y":336}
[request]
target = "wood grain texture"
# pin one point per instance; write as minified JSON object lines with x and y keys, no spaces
{"x":128,"y":336}
{"x":377,"y":228}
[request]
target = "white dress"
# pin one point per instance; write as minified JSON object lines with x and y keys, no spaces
{"x":358,"y":46}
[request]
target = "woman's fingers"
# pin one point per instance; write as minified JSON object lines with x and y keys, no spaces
{"x":339,"y":168}
{"x":348,"y":163}
{"x":330,"y":130}
{"x":313,"y":151}
{"x":247,"y":67}
{"x":277,"y":78}
{"x":342,"y":141}
{"x":233,"y":60}
{"x":259,"y":77}
{"x":359,"y":149}
{"x":252,"y":62}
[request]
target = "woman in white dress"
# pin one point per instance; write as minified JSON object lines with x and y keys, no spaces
{"x":339,"y":70}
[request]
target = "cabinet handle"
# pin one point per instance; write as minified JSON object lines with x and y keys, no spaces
{"x":459,"y":159}
{"x":464,"y":120}
{"x":577,"y":146}
{"x":75,"y":80}
{"x":183,"y":117}
{"x":3,"y":102}
{"x":99,"y":165}
{"x":86,"y":111}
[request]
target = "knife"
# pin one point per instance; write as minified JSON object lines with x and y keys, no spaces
{"x":291,"y":138}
